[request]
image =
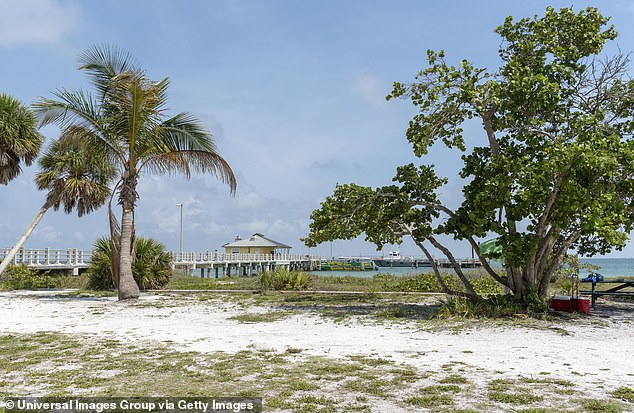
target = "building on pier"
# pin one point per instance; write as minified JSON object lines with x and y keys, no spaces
{"x":256,"y":244}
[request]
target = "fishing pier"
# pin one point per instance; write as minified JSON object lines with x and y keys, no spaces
{"x":243,"y":264}
{"x":210,"y":264}
{"x":74,"y":260}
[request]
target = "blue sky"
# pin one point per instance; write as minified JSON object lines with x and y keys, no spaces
{"x":293,"y":91}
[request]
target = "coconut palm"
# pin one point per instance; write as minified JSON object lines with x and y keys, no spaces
{"x":126,"y":120}
{"x":76,"y":177}
{"x":19,"y":139}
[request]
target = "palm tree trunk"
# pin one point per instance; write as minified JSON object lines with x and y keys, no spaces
{"x":38,"y":217}
{"x":128,"y":288}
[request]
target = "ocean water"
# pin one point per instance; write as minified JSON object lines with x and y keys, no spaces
{"x":384,"y":270}
{"x":608,"y":267}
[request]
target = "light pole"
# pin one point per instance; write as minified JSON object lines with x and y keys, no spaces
{"x":180,"y":250}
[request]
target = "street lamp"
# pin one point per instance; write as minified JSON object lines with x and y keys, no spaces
{"x":180,"y":251}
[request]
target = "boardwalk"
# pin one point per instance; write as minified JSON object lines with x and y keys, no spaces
{"x":74,"y":260}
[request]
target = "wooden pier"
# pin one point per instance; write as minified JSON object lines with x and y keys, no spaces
{"x":216,"y":264}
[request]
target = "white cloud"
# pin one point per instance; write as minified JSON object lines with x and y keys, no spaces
{"x":36,"y":21}
{"x":371,"y":89}
{"x":47,"y":233}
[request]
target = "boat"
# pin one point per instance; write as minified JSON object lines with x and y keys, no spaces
{"x":395,"y":259}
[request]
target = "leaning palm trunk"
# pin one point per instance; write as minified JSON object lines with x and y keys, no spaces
{"x":38,"y":217}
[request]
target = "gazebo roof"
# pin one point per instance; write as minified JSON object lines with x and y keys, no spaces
{"x":257,"y":240}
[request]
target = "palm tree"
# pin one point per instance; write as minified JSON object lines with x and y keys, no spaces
{"x":126,"y":120}
{"x":76,"y":177}
{"x":19,"y":139}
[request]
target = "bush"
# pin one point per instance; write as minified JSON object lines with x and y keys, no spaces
{"x":424,"y":283}
{"x":151,"y":269}
{"x":282,"y":279}
{"x":21,"y":277}
{"x":495,"y":306}
{"x":486,"y":286}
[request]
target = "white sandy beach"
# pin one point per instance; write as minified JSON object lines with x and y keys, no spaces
{"x":593,"y":351}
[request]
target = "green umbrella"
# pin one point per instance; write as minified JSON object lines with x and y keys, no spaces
{"x":491,"y":248}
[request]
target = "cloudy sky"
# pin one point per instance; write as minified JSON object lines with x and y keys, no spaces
{"x":293,"y":91}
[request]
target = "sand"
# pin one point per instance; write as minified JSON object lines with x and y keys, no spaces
{"x":595,"y":351}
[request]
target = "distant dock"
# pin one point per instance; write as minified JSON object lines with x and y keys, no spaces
{"x":210,"y":264}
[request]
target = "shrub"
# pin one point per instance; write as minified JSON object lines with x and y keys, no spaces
{"x":420,"y":283}
{"x":21,"y":277}
{"x":151,"y":269}
{"x":495,"y":306}
{"x":486,"y":286}
{"x":282,"y":279}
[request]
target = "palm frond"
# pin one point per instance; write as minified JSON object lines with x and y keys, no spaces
{"x":19,"y":139}
{"x":186,"y":162}
{"x":75,"y":175}
{"x":103,"y":63}
{"x":70,"y":108}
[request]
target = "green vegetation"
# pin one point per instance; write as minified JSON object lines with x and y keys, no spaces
{"x":126,"y":122}
{"x":601,"y":406}
{"x":152,"y":267}
{"x":283,"y":279}
{"x":555,"y":156}
{"x":267,"y":317}
{"x":496,"y":306}
{"x":19,"y":139}
{"x":75,"y":177}
{"x":20,"y":277}
{"x":624,"y":393}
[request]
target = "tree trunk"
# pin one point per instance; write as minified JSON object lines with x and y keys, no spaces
{"x":470,"y":291}
{"x":38,"y":217}
{"x":128,"y":288}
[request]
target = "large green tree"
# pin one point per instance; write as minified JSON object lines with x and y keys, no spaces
{"x":126,"y":119}
{"x":19,"y":139}
{"x":75,"y":176}
{"x":552,"y":171}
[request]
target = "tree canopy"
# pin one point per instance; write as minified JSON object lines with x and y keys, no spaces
{"x":19,"y":139}
{"x":553,"y":167}
{"x":127,"y":121}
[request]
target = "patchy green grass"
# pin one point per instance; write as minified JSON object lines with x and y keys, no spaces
{"x":601,"y":406}
{"x":66,"y":365}
{"x":267,"y":317}
{"x":454,"y":379}
{"x":514,"y":398}
{"x":624,"y":393}
{"x":430,"y":401}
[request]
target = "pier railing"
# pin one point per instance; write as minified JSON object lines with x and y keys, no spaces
{"x":221,"y":258}
{"x":49,"y":258}
{"x":75,"y":259}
